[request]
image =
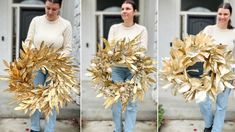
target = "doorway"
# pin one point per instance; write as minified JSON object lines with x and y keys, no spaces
{"x":197,"y":23}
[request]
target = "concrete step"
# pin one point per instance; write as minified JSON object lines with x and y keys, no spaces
{"x":191,"y":126}
{"x":176,"y":107}
{"x":92,"y":108}
{"x":108,"y":126}
{"x":7,"y":109}
{"x":23,"y":125}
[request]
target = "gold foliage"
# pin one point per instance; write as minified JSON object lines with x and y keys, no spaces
{"x":60,"y":83}
{"x":217,"y":72}
{"x":131,"y":54}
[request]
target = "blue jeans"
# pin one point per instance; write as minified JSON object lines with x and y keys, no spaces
{"x":40,"y":78}
{"x":121,"y":74}
{"x":216,"y":120}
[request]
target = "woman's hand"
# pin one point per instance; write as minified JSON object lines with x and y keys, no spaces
{"x":234,"y":83}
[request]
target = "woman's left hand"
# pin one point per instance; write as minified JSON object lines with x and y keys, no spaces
{"x":234,"y":83}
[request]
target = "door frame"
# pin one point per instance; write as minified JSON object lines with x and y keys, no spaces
{"x":185,"y":14}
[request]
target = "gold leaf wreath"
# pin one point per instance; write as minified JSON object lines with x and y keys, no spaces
{"x":59,"y":84}
{"x":217,"y":71}
{"x":129,"y":53}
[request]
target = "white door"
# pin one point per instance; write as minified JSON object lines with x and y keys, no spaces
{"x":88,"y":35}
{"x":5,"y":44}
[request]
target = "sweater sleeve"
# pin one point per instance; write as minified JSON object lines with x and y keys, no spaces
{"x":67,"y":40}
{"x":207,"y":30}
{"x":31,"y":33}
{"x":144,"y":38}
{"x":111,"y":34}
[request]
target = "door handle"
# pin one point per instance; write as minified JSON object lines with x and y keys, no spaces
{"x":2,"y":38}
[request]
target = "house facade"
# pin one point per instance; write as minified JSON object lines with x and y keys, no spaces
{"x":96,"y":18}
{"x":178,"y":18}
{"x":15,"y":17}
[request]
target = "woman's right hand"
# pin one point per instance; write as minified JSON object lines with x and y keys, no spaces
{"x":234,"y":83}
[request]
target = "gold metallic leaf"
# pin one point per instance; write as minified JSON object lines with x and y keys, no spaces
{"x":60,"y":82}
{"x":217,"y":71}
{"x":130,"y":54}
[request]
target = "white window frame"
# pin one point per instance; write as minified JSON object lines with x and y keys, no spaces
{"x":185,"y":15}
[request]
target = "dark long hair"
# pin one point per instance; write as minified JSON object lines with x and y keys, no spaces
{"x":55,"y":1}
{"x":229,"y":7}
{"x":132,"y":3}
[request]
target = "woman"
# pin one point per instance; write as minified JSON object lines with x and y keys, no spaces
{"x":222,"y":32}
{"x":52,"y":29}
{"x":128,"y":29}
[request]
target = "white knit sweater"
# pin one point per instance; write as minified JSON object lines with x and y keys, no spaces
{"x":58,"y":33}
{"x":119,"y":32}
